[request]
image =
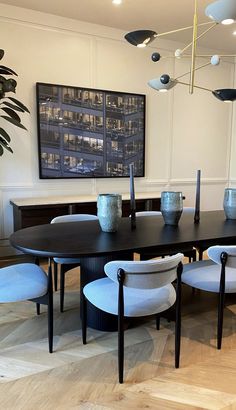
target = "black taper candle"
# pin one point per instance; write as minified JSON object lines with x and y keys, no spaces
{"x":197,"y":202}
{"x":132,"y":196}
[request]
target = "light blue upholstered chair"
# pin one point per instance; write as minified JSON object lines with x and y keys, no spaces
{"x":134,"y":289}
{"x":188,"y":251}
{"x":67,"y":263}
{"x":27,"y":281}
{"x":215,"y":275}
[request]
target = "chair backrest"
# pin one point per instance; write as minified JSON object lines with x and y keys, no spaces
{"x":145,"y":274}
{"x":214,"y":253}
{"x":73,"y":218}
{"x":186,"y":210}
{"x":148,"y":213}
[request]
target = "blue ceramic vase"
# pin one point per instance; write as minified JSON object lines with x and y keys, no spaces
{"x":171,"y":207}
{"x":109,"y":208}
{"x":230,"y":203}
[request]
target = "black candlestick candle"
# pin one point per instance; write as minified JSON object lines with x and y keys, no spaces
{"x":132,"y":196}
{"x":197,"y":203}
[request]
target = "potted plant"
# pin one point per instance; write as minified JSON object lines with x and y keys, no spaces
{"x":10,"y":107}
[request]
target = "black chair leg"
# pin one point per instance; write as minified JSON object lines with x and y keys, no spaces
{"x":62,"y":288}
{"x":38,"y":308}
{"x":221,"y":303}
{"x":36,"y":261}
{"x":158,"y":321}
{"x":84,"y":319}
{"x":178,"y":316}
{"x":50,"y":309}
{"x":220,"y":320}
{"x":177,"y":337}
{"x":55,"y":269}
{"x":121,"y":348}
{"x":200,"y":254}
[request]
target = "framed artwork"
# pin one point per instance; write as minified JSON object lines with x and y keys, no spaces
{"x":89,"y":133}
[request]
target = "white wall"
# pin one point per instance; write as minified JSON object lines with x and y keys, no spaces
{"x":184,"y":133}
{"x":232,"y":178}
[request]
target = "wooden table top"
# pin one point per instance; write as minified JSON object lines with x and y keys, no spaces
{"x":76,"y":239}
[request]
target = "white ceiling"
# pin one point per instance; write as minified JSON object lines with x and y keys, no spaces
{"x":158,"y":15}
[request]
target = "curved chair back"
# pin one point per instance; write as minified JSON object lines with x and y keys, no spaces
{"x":149,"y":274}
{"x":73,"y":218}
{"x":214,"y":253}
{"x":148,"y":213}
{"x":188,"y":210}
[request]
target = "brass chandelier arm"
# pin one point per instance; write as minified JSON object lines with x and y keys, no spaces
{"x":200,"y":35}
{"x":199,"y":55}
{"x":195,"y":69}
{"x":209,"y":55}
{"x":183,"y":28}
{"x":195,"y":86}
{"x":194,"y":47}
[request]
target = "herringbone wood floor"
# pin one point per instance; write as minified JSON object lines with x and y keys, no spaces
{"x":77,"y":376}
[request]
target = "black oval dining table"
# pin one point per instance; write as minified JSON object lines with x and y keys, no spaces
{"x":85,"y":240}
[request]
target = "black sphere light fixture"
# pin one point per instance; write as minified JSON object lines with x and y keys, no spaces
{"x":156,"y":57}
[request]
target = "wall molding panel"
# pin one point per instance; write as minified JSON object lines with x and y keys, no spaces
{"x":183,"y":133}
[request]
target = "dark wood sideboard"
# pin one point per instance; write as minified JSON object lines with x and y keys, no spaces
{"x":37,"y":211}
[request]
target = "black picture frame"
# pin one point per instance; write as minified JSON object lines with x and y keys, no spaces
{"x":89,"y":133}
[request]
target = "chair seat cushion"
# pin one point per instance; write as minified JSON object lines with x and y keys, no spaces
{"x":205,"y":275}
{"x":67,"y":261}
{"x":103,"y":293}
{"x":21,"y":282}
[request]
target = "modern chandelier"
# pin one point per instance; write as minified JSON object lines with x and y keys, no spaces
{"x":221,"y":11}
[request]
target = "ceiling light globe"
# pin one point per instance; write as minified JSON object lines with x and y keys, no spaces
{"x":227,"y":22}
{"x":158,"y":85}
{"x":178,"y":53}
{"x":156,"y":57}
{"x":215,"y":60}
{"x":116,"y":1}
{"x":222,"y":11}
{"x":225,"y":94}
{"x":140,"y":38}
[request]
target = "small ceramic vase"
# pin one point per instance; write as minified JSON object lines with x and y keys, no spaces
{"x":171,"y":207}
{"x":230,"y":203}
{"x":109,"y":211}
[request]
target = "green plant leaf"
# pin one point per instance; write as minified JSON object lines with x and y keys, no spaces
{"x":11,"y":113}
{"x":3,"y":144}
{"x":13,"y":106}
{"x":5,"y":135}
{"x":13,"y":121}
{"x":7,"y":70}
{"x":1,"y":53}
{"x":17,"y":102}
{"x":9,"y":86}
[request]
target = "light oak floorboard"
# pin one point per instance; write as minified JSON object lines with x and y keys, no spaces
{"x":77,"y":376}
